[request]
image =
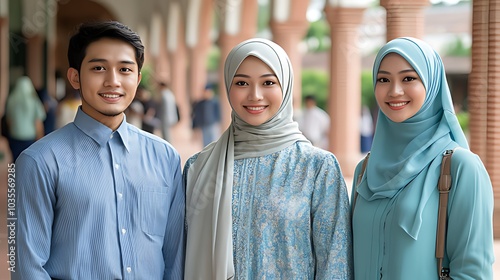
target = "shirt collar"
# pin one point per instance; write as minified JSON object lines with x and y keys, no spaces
{"x":98,"y":131}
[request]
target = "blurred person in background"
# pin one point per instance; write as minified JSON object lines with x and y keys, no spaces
{"x":366,"y":129}
{"x":167,"y":112}
{"x":314,"y":123}
{"x":135,"y":113}
{"x":206,"y":115}
{"x":150,"y":121}
{"x":24,"y":115}
{"x":50,"y":106}
{"x":67,"y":108}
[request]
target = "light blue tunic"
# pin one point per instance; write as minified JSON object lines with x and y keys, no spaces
{"x":290,"y":216}
{"x":383,"y":250}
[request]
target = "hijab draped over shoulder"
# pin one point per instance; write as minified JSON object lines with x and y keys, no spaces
{"x":408,"y":154}
{"x":209,"y":251}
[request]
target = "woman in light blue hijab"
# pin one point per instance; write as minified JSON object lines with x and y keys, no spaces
{"x":25,"y":115}
{"x":396,"y":206}
{"x":262,"y":202}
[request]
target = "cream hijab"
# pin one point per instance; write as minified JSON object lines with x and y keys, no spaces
{"x":209,"y":249}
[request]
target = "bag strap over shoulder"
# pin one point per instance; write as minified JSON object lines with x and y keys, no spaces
{"x":444,"y":186}
{"x":360,"y":176}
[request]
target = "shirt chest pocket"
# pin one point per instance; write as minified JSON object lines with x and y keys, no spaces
{"x":154,"y":207}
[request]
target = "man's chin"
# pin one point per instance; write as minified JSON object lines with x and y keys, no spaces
{"x":111,"y":114}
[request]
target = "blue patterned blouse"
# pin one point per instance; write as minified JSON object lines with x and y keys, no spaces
{"x":290,"y":216}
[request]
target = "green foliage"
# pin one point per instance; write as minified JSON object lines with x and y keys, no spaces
{"x":367,"y":94}
{"x":315,"y":82}
{"x":147,"y":79}
{"x":463,"y":119}
{"x":457,"y":48}
{"x":263,"y":17}
{"x":318,"y":36}
{"x":213,"y":59}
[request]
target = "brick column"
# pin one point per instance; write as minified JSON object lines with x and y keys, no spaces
{"x":404,"y":18}
{"x":493,"y":105}
{"x":247,"y":21}
{"x":288,"y":34}
{"x":198,"y":41}
{"x":478,"y":83}
{"x":344,"y":103}
{"x":177,"y":56}
{"x":34,"y":59}
{"x":484,"y":96}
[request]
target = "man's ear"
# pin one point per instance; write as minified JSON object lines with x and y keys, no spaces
{"x":74,"y":78}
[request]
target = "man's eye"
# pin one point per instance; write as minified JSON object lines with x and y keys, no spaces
{"x":126,"y":70}
{"x":98,"y":68}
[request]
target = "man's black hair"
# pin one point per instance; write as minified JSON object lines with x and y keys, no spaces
{"x":90,"y":32}
{"x":310,"y":97}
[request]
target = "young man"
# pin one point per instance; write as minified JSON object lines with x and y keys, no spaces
{"x":99,"y":198}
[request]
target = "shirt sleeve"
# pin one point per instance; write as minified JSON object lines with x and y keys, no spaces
{"x":174,"y":242}
{"x":470,"y":219}
{"x":35,"y":214}
{"x":332,"y":234}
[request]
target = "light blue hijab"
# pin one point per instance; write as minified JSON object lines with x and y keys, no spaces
{"x":408,"y":154}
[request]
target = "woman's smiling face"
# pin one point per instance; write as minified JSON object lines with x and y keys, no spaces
{"x":399,"y":90}
{"x":255,"y":93}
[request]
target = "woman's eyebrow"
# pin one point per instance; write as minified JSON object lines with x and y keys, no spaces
{"x":402,"y":71}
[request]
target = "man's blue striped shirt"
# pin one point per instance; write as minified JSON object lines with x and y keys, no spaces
{"x":98,"y":204}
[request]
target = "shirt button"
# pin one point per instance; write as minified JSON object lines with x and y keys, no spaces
{"x":120,"y":195}
{"x":129,"y":269}
{"x":124,"y":231}
{"x":111,"y":136}
{"x":117,"y":166}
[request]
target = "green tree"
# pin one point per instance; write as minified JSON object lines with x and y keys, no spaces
{"x":457,"y":48}
{"x":315,"y":82}
{"x":318,"y":36}
{"x":367,"y":94}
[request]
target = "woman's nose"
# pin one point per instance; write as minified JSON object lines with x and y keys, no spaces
{"x":396,"y":90}
{"x":255,"y":93}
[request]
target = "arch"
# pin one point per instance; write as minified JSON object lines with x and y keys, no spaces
{"x":70,"y":15}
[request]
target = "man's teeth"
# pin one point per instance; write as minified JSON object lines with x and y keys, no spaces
{"x":256,"y":108}
{"x":398,"y":104}
{"x":110,"y":95}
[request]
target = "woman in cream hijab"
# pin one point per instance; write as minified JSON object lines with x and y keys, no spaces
{"x":262,"y":202}
{"x":395,"y":213}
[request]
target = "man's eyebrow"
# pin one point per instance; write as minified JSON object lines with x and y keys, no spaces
{"x":104,"y":60}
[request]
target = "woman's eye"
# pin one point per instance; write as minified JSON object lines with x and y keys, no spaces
{"x":409,"y":79}
{"x":269,"y":83}
{"x":382,"y":80}
{"x":241,"y":83}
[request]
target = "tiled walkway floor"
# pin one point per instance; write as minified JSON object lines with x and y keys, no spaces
{"x":184,"y":140}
